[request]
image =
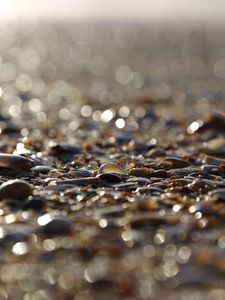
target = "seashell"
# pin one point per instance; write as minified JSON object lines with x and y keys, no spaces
{"x":112,"y":168}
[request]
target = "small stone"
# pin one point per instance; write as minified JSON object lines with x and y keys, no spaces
{"x":15,"y":162}
{"x":15,"y":189}
{"x":8,"y":128}
{"x":217,"y":195}
{"x":142,"y":172}
{"x":215,"y":146}
{"x":35,"y":203}
{"x":212,"y":169}
{"x":112,"y":168}
{"x":217,"y":121}
{"x":41,"y":169}
{"x":202,"y":185}
{"x":64,"y":152}
{"x":173,"y":163}
{"x":110,"y":177}
{"x":181,"y":172}
{"x":124,"y":139}
{"x":214,"y":121}
{"x":81,"y":172}
{"x":57,"y":226}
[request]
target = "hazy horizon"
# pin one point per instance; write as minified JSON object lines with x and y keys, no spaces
{"x":85,"y":10}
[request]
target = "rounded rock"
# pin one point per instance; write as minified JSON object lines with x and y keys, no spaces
{"x":110,"y":177}
{"x":15,"y":189}
{"x":174,"y":163}
{"x":57,"y":226}
{"x":41,"y":169}
{"x":15,"y":162}
{"x":215,"y":146}
{"x":217,"y":195}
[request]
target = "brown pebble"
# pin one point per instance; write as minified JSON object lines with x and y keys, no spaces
{"x":15,"y":189}
{"x":15,"y":162}
{"x":202,"y":184}
{"x":173,"y":163}
{"x":142,"y":172}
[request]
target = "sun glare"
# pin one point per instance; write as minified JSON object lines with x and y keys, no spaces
{"x":4,"y":8}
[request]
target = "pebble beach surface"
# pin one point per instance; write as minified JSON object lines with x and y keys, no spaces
{"x":112,"y":162}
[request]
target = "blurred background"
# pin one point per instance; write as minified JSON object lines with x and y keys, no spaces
{"x":171,"y":10}
{"x":56,"y":53}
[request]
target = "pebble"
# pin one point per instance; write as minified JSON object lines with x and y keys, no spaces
{"x":16,"y":189}
{"x":202,"y":185}
{"x":124,"y":139}
{"x":95,"y":181}
{"x":213,"y":170}
{"x":217,"y":195}
{"x":142,"y":172}
{"x":8,"y":128}
{"x":201,"y":175}
{"x":173,"y":163}
{"x":215,"y":146}
{"x":112,"y":168}
{"x":181,"y":172}
{"x":110,"y":177}
{"x":14,"y":237}
{"x":57,"y":149}
{"x":15,"y":162}
{"x":82,"y":172}
{"x":214,"y":121}
{"x":64,"y":152}
{"x":58,"y":226}
{"x":35,"y":204}
{"x":217,"y":121}
{"x":41,"y":169}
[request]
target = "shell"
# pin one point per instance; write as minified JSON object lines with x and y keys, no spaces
{"x":112,"y":168}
